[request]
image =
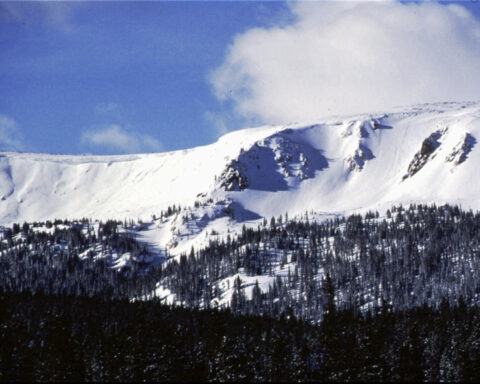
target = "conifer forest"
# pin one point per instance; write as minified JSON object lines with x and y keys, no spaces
{"x":369,"y":297}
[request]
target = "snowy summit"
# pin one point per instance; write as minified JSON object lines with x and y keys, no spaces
{"x":423,"y":153}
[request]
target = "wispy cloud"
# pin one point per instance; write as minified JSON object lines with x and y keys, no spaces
{"x":107,"y":107}
{"x":10,"y":136}
{"x":116,"y":139}
{"x":349,"y":57}
{"x":53,"y":14}
{"x":218,"y":123}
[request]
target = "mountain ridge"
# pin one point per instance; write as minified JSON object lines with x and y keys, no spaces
{"x":338,"y":165}
{"x":200,"y":215}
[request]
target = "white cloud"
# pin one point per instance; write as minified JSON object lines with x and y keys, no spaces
{"x":10,"y":135}
{"x":114,"y":138}
{"x":349,"y":57}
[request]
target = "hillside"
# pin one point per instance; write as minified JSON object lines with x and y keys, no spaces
{"x":420,"y":154}
{"x":220,"y":218}
{"x":410,"y":257}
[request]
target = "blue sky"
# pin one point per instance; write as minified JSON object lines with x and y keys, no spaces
{"x":106,"y":78}
{"x":71,"y":68}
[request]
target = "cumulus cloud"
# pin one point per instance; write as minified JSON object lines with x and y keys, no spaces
{"x":350,"y":57}
{"x":114,"y":138}
{"x":10,"y":135}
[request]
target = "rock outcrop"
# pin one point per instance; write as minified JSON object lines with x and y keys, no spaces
{"x":429,"y":146}
{"x":233,"y":177}
{"x":461,"y":150}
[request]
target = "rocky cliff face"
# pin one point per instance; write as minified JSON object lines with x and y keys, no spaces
{"x":233,"y":177}
{"x":429,"y":146}
{"x":460,"y":152}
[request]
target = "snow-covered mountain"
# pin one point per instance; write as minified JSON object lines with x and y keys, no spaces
{"x":422,"y":153}
{"x":312,"y":172}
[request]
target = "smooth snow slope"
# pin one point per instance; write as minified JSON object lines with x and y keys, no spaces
{"x":338,"y":165}
{"x":40,"y":186}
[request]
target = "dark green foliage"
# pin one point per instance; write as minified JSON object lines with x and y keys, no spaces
{"x":73,"y":258}
{"x":421,"y":255}
{"x":71,"y":338}
{"x":65,"y":313}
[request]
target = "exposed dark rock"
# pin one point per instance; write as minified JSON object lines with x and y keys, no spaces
{"x":233,"y":177}
{"x":272,"y":164}
{"x":357,"y":161}
{"x":429,"y":146}
{"x":359,"y":131}
{"x":460,"y":152}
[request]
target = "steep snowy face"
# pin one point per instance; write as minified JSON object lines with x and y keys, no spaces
{"x":424,"y":153}
{"x":275,"y":163}
{"x":418,"y":154}
{"x":355,"y":135}
{"x":460,"y":152}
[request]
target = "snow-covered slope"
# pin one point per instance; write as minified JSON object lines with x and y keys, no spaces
{"x":422,"y":153}
{"x":41,"y":186}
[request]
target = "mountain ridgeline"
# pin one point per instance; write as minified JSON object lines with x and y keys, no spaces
{"x":422,"y":153}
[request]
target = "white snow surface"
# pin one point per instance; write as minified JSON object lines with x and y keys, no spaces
{"x":340,"y":165}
